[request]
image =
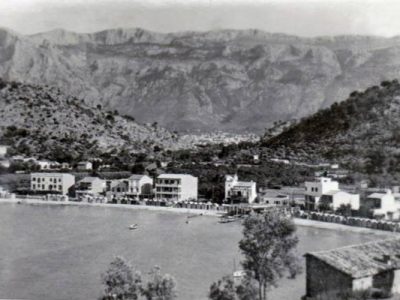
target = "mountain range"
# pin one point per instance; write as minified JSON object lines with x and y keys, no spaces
{"x":230,"y":80}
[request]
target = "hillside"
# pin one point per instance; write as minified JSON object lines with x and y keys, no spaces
{"x":229,"y":80}
{"x":42,"y":121}
{"x":363,"y":132}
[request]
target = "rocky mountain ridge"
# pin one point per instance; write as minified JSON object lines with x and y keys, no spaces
{"x":361,"y":133}
{"x":230,"y":80}
{"x":41,"y":121}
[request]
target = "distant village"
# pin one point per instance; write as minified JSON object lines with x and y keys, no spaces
{"x":324,"y":194}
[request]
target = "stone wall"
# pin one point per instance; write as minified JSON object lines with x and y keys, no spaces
{"x":323,"y":281}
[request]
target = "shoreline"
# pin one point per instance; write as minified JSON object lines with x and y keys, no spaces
{"x":192,"y":211}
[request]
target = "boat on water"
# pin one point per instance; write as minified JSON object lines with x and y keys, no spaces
{"x":228,"y":219}
{"x":133,"y":226}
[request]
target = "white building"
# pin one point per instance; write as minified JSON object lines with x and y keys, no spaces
{"x":382,"y":205}
{"x":239,"y":189}
{"x":176,"y":187}
{"x":273,"y":197}
{"x":47,"y":165}
{"x":3,"y":150}
{"x":90,"y":186}
{"x":315,"y":189}
{"x":139,"y":186}
{"x":135,"y":187}
{"x":52,"y":182}
{"x":85,"y":166}
{"x":335,"y":199}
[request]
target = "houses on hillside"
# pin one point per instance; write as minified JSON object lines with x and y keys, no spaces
{"x":374,"y":265}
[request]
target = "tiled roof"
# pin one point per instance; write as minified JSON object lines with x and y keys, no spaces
{"x":363,"y":260}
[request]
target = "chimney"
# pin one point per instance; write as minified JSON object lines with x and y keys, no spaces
{"x":387,"y":260}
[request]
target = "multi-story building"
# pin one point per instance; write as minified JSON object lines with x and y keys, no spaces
{"x":54,"y":183}
{"x":315,"y":189}
{"x":90,"y":186}
{"x":176,"y":187}
{"x":236,"y":190}
{"x":135,"y":187}
{"x":139,"y":186}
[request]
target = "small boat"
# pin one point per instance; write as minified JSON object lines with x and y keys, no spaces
{"x":133,"y":226}
{"x":227,"y":219}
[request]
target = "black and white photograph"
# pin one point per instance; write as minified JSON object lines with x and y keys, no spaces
{"x":199,"y":149}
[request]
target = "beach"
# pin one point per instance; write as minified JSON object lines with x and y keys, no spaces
{"x":192,"y":211}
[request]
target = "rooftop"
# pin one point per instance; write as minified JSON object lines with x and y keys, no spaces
{"x":136,"y":177}
{"x":378,"y":195}
{"x":51,"y":174}
{"x":89,"y":179}
{"x":175,"y":176}
{"x":364,"y":259}
{"x":244,"y":184}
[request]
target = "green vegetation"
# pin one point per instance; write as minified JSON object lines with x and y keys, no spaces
{"x":361,"y":133}
{"x":268,"y":246}
{"x":122,"y":282}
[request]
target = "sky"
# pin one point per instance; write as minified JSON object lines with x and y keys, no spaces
{"x":297,"y":17}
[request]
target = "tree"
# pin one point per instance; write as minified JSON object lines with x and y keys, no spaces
{"x":120,"y":281}
{"x":344,"y":210}
{"x":223,"y":289}
{"x":268,"y":246}
{"x":160,"y":287}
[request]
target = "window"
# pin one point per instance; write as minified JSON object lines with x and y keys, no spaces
{"x":60,"y":187}
{"x":42,"y":186}
{"x":33,"y":186}
{"x":377,"y":203}
{"x":33,"y":178}
{"x":59,"y":179}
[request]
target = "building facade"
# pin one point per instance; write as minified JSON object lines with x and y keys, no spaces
{"x":139,"y":186}
{"x":84,"y":166}
{"x":335,"y":199}
{"x":315,"y":189}
{"x":90,"y":186}
{"x":135,"y":187}
{"x":353,"y":268}
{"x":236,"y":190}
{"x":52,"y":183}
{"x":383,"y":205}
{"x":3,"y":151}
{"x":176,"y":187}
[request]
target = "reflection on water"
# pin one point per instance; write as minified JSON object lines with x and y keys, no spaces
{"x":54,"y":252}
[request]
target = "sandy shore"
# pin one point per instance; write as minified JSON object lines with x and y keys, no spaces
{"x":122,"y":206}
{"x":191,"y":211}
